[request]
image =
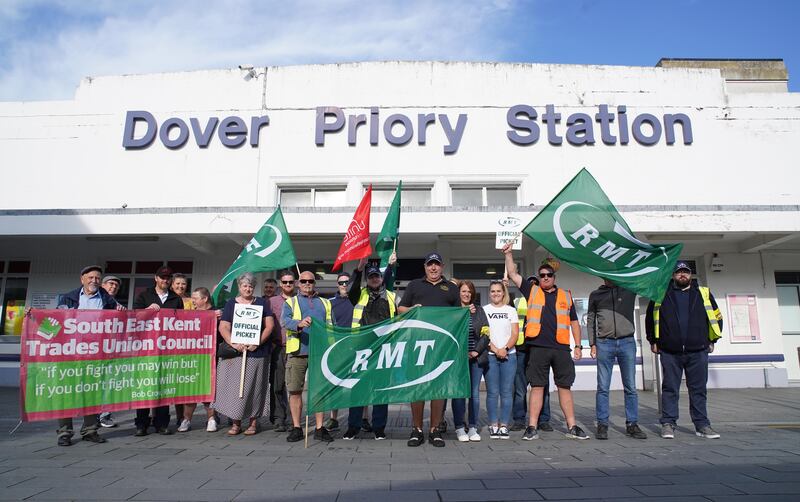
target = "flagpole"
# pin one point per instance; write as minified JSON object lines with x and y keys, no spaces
{"x":298,"y":269}
{"x":306,"y":430}
{"x":394,"y":246}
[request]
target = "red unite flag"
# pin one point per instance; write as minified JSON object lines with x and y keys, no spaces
{"x":355,"y":244}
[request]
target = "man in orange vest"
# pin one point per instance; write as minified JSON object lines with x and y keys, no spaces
{"x":551,"y":314}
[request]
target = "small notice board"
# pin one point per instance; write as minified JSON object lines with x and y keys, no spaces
{"x":743,"y":319}
{"x":509,"y":228}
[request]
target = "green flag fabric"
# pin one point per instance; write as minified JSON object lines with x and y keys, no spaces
{"x":417,"y":356}
{"x":385,"y":244}
{"x":269,"y":249}
{"x":582,"y":227}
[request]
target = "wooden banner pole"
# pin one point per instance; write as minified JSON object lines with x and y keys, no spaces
{"x":241,"y":378}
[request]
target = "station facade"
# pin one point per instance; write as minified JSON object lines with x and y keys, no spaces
{"x":138,"y":171}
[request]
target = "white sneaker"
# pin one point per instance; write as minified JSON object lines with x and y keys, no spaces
{"x":106,"y":420}
{"x":473,"y":434}
{"x":185,"y":426}
{"x":461,"y":434}
{"x":494,"y":432}
{"x":212,"y":425}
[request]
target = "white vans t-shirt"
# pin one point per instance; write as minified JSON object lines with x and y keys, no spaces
{"x":500,"y":321}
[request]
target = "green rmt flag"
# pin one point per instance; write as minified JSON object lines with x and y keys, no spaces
{"x":269,"y":249}
{"x":582,"y":227}
{"x":416,"y":356}
{"x":391,"y":229}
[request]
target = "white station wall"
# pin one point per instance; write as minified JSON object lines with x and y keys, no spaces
{"x":738,"y":139}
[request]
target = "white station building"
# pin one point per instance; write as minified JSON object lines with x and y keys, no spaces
{"x":138,"y":171}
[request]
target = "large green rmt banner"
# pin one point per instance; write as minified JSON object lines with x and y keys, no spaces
{"x":418,"y":356}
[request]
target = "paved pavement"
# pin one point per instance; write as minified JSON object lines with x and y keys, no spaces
{"x":757,"y":458}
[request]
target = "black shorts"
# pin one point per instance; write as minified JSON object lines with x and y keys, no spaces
{"x":541,"y":359}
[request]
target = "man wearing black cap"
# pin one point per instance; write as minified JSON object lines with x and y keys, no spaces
{"x":89,"y":296}
{"x":683,"y":328}
{"x":155,"y":298}
{"x":371,"y":305}
{"x":433,"y":290}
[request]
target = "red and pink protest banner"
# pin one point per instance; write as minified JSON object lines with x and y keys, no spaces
{"x":78,"y":362}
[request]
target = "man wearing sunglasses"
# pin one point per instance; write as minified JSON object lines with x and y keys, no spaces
{"x":296,"y":317}
{"x":343,"y":313}
{"x":550,"y":317}
{"x":520,"y":406}
{"x":279,"y":401}
{"x":433,"y":290}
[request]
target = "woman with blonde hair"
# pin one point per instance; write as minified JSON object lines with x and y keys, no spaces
{"x":503,"y":331}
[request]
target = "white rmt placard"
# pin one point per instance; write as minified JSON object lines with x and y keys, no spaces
{"x":509,"y":228}
{"x":246,"y":325}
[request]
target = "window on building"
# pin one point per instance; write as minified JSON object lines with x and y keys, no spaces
{"x":467,"y":196}
{"x":479,"y":271}
{"x":13,"y":290}
{"x":411,"y":196}
{"x":313,"y":197}
{"x":788,"y":286}
{"x":137,"y":276}
{"x":489,"y":195}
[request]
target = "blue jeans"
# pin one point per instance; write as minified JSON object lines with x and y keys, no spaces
{"x":475,"y":374}
{"x":500,"y":383}
{"x":623,"y":351}
{"x":520,"y":406}
{"x":379,"y":414}
{"x":459,"y":409}
{"x":695,"y":365}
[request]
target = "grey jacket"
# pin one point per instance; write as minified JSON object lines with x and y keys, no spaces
{"x":610,"y":313}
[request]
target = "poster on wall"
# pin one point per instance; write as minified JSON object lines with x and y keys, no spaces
{"x":12,"y":326}
{"x":743,"y":319}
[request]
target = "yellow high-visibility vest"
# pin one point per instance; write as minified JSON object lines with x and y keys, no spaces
{"x":358,"y":310}
{"x":293,"y":337}
{"x":522,"y":311}
{"x":714,"y":316}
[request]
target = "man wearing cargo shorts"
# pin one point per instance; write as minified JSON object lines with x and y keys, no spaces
{"x":296,"y":317}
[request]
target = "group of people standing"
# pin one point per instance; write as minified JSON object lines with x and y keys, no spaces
{"x":513,"y":347}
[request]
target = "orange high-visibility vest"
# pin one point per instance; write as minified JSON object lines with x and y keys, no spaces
{"x":533,"y":318}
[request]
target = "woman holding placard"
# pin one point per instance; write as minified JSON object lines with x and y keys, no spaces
{"x":253,"y":385}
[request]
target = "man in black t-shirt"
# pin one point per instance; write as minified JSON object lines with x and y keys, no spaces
{"x":433,"y":290}
{"x":551,"y":315}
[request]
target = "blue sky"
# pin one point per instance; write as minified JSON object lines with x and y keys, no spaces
{"x":47,"y":46}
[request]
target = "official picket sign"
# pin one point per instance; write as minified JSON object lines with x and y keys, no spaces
{"x":246,"y":326}
{"x":509,"y":229}
{"x":77,"y":362}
